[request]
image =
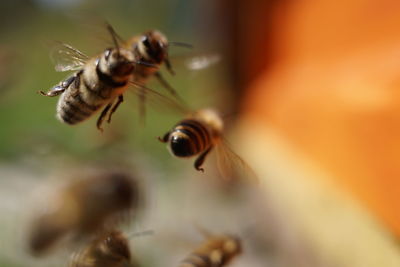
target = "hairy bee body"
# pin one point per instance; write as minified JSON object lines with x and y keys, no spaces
{"x":150,"y":47}
{"x":196,"y":135}
{"x":108,"y":250}
{"x":93,"y":87}
{"x":83,"y":207}
{"x":98,"y":82}
{"x":190,"y":137}
{"x":216,"y":251}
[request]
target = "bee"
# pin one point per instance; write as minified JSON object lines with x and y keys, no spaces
{"x":215,"y":251}
{"x":99,"y":81}
{"x":151,"y":47}
{"x":82,"y":207}
{"x":197,"y":135}
{"x":110,"y":249}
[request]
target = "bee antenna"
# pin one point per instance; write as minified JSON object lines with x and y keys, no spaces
{"x":114,"y":36}
{"x":169,"y":66}
{"x":185,"y":45}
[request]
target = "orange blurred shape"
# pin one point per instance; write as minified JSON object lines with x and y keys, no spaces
{"x":333,"y":91}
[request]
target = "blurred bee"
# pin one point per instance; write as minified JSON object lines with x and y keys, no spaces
{"x":151,"y":47}
{"x":215,"y":251}
{"x":83,"y":207}
{"x":197,"y":135}
{"x":99,"y":81}
{"x":110,"y":249}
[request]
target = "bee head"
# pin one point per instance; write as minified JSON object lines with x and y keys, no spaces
{"x":156,"y":46}
{"x":118,"y":61}
{"x":117,"y":245}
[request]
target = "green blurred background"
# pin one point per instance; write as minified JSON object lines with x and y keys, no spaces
{"x":27,"y":29}
{"x":35,"y":146}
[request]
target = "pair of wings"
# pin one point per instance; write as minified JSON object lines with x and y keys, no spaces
{"x":67,"y":58}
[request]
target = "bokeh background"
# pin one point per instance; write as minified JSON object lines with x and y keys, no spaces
{"x":309,"y":90}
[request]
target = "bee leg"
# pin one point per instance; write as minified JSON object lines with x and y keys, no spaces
{"x":119,"y":101}
{"x":200,"y":160}
{"x":169,"y":66}
{"x":142,"y":105}
{"x":55,"y":91}
{"x":165,"y":84}
{"x":102,"y":116}
{"x":164,"y":139}
{"x":59,"y":89}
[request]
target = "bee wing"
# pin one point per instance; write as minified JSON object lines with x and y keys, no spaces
{"x":67,"y":58}
{"x":195,"y":62}
{"x":202,"y":62}
{"x":158,"y":100}
{"x":231,"y":164}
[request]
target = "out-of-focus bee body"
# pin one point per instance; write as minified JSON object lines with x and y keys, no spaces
{"x":199,"y":133}
{"x":83,"y":207}
{"x":196,"y":135}
{"x":111,"y":249}
{"x":150,"y":47}
{"x":99,"y":82}
{"x":190,"y":137}
{"x":216,"y":251}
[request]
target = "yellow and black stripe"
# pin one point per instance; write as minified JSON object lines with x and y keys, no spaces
{"x":189,"y":137}
{"x":72,"y":108}
{"x":75,"y":110}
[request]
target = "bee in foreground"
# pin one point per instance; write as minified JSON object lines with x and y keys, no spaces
{"x":99,"y":81}
{"x":83,"y":207}
{"x":216,"y":251}
{"x":197,"y":135}
{"x":110,"y":249}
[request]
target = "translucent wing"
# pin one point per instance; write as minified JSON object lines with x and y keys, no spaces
{"x":158,"y":100}
{"x":231,"y":165}
{"x":202,"y":62}
{"x":67,"y":58}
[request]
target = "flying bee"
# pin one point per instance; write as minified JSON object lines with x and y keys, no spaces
{"x":84,"y":206}
{"x":197,"y":135}
{"x":110,"y":249}
{"x":215,"y":251}
{"x":151,"y":47}
{"x":99,"y":81}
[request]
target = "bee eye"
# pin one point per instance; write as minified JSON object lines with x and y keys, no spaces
{"x":146,"y":42}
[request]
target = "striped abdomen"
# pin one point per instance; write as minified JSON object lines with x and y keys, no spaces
{"x":189,"y":138}
{"x":88,"y":91}
{"x":72,"y":108}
